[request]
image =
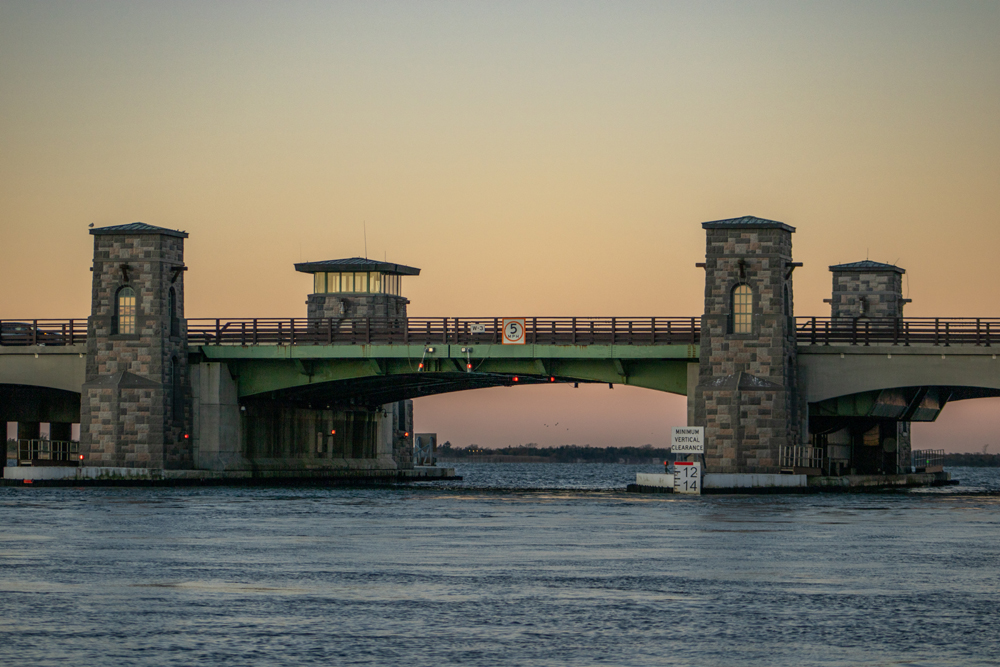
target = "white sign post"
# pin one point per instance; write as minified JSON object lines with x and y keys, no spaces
{"x":687,"y":439}
{"x":687,"y":477}
{"x":513,"y":331}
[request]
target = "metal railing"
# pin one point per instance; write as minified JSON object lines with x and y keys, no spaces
{"x":800,"y":456}
{"x":43,"y":332}
{"x":908,"y":331}
{"x":29,"y":450}
{"x":443,"y":330}
{"x":922,"y":459}
{"x":944,"y":332}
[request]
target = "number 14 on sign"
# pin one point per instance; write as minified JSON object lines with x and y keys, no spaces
{"x":687,"y":477}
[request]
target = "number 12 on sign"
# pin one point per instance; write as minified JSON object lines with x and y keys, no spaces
{"x":687,"y":477}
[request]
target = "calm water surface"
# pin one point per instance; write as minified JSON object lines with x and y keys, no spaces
{"x":486,"y":572}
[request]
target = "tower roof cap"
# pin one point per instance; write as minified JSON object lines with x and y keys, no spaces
{"x":138,"y":228}
{"x":867,"y":265}
{"x":746,"y":222}
{"x":357,"y":264}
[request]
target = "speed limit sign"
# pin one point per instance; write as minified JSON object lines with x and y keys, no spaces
{"x":513,"y":331}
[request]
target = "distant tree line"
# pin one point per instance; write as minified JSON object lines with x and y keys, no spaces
{"x":973,"y":460}
{"x":532,"y":453}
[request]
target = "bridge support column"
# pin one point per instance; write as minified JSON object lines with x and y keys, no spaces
{"x":747,"y":397}
{"x":60,"y":431}
{"x":29,"y":430}
{"x":216,"y":418}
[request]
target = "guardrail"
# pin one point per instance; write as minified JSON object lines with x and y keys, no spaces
{"x":443,"y":330}
{"x":943,"y":332}
{"x":791,"y":457}
{"x":43,"y":332}
{"x":38,"y":451}
{"x":898,"y":331}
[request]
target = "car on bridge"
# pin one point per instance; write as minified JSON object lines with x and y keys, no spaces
{"x":26,"y":333}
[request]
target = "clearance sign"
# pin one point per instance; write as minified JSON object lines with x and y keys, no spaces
{"x":687,"y":439}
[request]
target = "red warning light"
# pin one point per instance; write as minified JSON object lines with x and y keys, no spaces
{"x":81,"y":457}
{"x":515,"y":378}
{"x":186,"y":436}
{"x":407,"y":434}
{"x":469,"y":366}
{"x":421,"y":365}
{"x":333,"y":431}
{"x":551,"y":379}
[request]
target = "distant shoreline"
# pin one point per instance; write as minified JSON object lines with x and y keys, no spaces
{"x":627,"y":455}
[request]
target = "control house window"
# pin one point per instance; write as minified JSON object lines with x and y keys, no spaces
{"x":742,"y":310}
{"x":372,"y":282}
{"x":123,"y":322}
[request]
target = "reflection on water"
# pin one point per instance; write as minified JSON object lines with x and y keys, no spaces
{"x":483,"y":572}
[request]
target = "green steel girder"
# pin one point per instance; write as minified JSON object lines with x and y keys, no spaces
{"x":376,"y":374}
{"x":916,"y":404}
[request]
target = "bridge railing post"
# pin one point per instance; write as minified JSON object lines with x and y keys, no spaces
{"x":218,"y":331}
{"x":670,"y":334}
{"x":867,"y":331}
{"x":987,"y":334}
{"x":978,"y":336}
{"x":612,"y":331}
{"x":694,"y":332}
{"x":812,"y":338}
{"x":937,"y":340}
{"x":243,"y":334}
{"x":947,"y":331}
{"x":573,"y":334}
{"x":652,"y":330}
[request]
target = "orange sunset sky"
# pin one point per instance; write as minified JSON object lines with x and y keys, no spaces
{"x":533,"y":158}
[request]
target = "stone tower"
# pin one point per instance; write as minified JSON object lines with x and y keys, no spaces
{"x":135,"y":405}
{"x":746,"y":397}
{"x":867,"y":289}
{"x":356,"y":288}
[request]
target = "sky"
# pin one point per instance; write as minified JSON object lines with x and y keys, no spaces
{"x":532,"y":158}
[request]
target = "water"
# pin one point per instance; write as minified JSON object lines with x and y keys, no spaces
{"x":482,"y":572}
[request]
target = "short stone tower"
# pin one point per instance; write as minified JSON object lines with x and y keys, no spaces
{"x":746,"y":397}
{"x":356,"y":288}
{"x":867,"y":289}
{"x":135,"y":407}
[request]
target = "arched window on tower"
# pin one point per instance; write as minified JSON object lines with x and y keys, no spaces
{"x":175,"y":323}
{"x":123,"y":321}
{"x":742,"y":309}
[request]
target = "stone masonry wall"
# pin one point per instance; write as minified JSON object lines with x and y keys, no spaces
{"x":127,"y":414}
{"x":867,"y":294}
{"x":322,"y":306}
{"x":746,"y":396}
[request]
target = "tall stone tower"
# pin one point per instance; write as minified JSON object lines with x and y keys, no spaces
{"x":867,"y":289}
{"x":746,"y":397}
{"x":135,"y":406}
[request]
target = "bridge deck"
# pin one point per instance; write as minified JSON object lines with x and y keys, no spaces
{"x":539,"y":330}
